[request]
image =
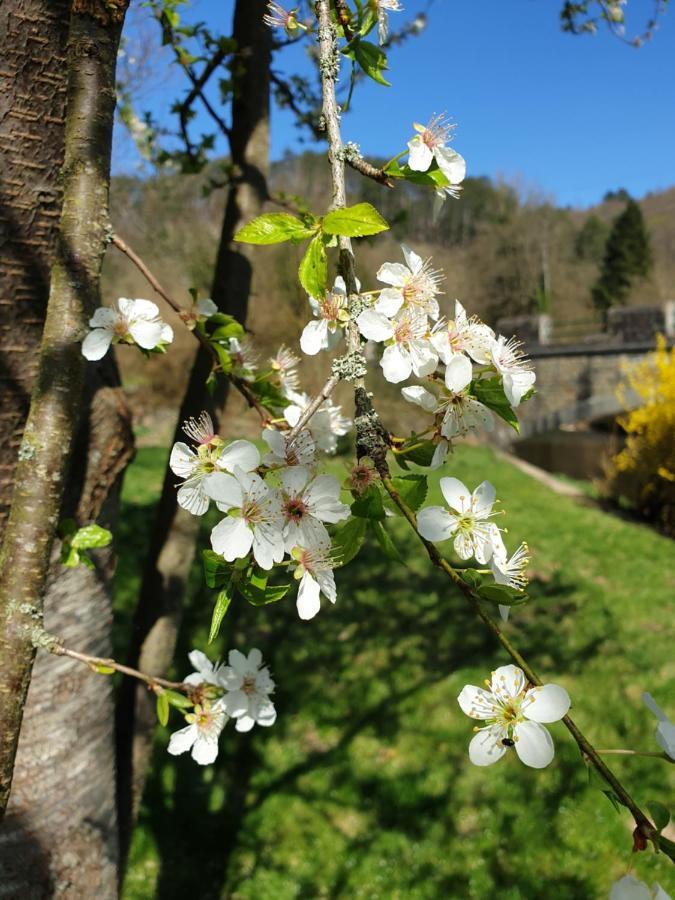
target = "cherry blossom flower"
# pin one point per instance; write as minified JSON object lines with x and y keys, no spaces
{"x":315,"y":574}
{"x":409,"y":349}
{"x":278,"y":17}
{"x":429,"y":145}
{"x":331,"y":313}
{"x":306,"y":503}
{"x":254,"y":518}
{"x":513,"y":713}
{"x":299,"y":452}
{"x":205,"y":672}
{"x":461,"y":413}
{"x":383,"y":19}
{"x":665,"y":730}
{"x":510,"y":572}
{"x":326,"y":425}
{"x":244,"y":358}
{"x":284,"y":364}
{"x":458,"y":342}
{"x":509,"y":360}
{"x":414,"y":284}
{"x":630,"y":888}
{"x":467,"y":522}
{"x":205,"y":724}
{"x":132,"y":322}
{"x":248,"y":684}
{"x":196,"y":468}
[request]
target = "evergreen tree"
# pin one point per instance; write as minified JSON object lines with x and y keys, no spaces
{"x":627,"y":257}
{"x":591,"y":239}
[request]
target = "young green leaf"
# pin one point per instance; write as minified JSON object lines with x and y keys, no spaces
{"x":354,"y":221}
{"x":257,"y":596}
{"x":472,"y":577}
{"x":372,"y":60}
{"x":101,"y":669}
{"x":412,"y":489}
{"x":274,"y":228}
{"x":348,"y":540}
{"x":421,"y":453}
{"x":490,"y":393}
{"x":432,"y":178}
{"x":369,"y":505}
{"x":216,"y":570}
{"x":660,"y":814}
{"x":385,"y":541}
{"x":91,"y":536}
{"x":162,"y":709}
{"x":179,"y":701}
{"x":502,"y":594}
{"x":313,"y":270}
{"x":222,"y":603}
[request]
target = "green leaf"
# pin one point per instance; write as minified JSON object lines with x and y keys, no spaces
{"x":613,"y":799}
{"x":225,"y":319}
{"x":421,"y":453}
{"x":261,"y":596}
{"x":91,"y":536}
{"x":224,"y":358}
{"x":385,"y":541}
{"x":412,"y":489}
{"x":179,"y":701}
{"x":222,"y":603}
{"x":502,"y":594}
{"x":370,"y":505}
{"x":313,"y":270}
{"x":274,"y":228}
{"x":660,"y":814}
{"x":354,"y":221}
{"x":69,"y":555}
{"x":269,"y":395}
{"x":472,"y":577}
{"x":348,"y":540}
{"x":432,"y":178}
{"x":102,"y":670}
{"x":216,"y":570}
{"x":490,"y":393}
{"x":372,"y":60}
{"x":162,"y":709}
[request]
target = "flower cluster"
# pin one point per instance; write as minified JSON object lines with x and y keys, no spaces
{"x":239,"y":691}
{"x":130,"y":322}
{"x":273,"y":507}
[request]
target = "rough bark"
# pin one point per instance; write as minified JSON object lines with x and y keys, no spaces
{"x":172,"y":545}
{"x":57,"y":390}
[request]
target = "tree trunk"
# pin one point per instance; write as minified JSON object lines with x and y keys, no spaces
{"x":172,"y":545}
{"x":65,"y":738}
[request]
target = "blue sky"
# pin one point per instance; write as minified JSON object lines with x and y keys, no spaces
{"x":569,"y":117}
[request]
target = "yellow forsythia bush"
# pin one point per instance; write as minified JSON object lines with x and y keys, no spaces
{"x":643,"y":473}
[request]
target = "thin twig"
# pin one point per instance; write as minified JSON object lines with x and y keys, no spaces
{"x":239,"y":383}
{"x":307,"y":413}
{"x":361,"y":165}
{"x":654,"y":753}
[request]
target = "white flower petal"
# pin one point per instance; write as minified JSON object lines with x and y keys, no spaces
{"x":534,"y":745}
{"x":239,"y":453}
{"x":419,"y":156}
{"x":477,"y":703}
{"x":412,"y":260}
{"x":451,"y":164}
{"x":294,"y":479}
{"x":96,"y":344}
{"x":389,"y":302}
{"x":104,"y":317}
{"x":415,"y":393}
{"x":458,"y":373}
{"x":395,"y":274}
{"x":232,"y":539}
{"x":314,"y":337}
{"x":507,"y":682}
{"x":206,"y":307}
{"x":423,"y":357}
{"x":440,"y":454}
{"x":266,"y":713}
{"x":181,"y":741}
{"x":486,"y":746}
{"x":548,"y":703}
{"x":205,"y":749}
{"x":308,"y":602}
{"x":235,"y":703}
{"x":183,"y":461}
{"x":374,"y":326}
{"x":244,"y":723}
{"x":224,"y":489}
{"x":456,"y":494}
{"x":483,"y":499}
{"x":435,"y":523}
{"x":192,"y":498}
{"x":629,"y":888}
{"x":396,"y":364}
{"x":146,"y":334}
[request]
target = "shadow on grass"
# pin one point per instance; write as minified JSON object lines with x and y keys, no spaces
{"x":354,"y":674}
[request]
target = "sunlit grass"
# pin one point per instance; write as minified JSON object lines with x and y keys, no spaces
{"x":363,"y":789}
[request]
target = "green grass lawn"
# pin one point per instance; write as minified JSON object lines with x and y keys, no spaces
{"x":363,"y":788}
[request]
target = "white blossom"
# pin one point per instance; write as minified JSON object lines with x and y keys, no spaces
{"x":284,"y":364}
{"x":460,"y":412}
{"x":415,"y":285}
{"x":206,"y":307}
{"x":299,"y":452}
{"x":383,"y":19}
{"x":468,"y":521}
{"x":315,"y":574}
{"x":325,"y":331}
{"x":510,"y":572}
{"x":306,"y":504}
{"x":211,"y":456}
{"x":517,"y":375}
{"x":248,"y":685}
{"x":326,"y":425}
{"x":206,"y":722}
{"x":513,"y":713}
{"x":459,"y":341}
{"x":665,"y":730}
{"x":131,"y":322}
{"x":244,"y":358}
{"x":630,"y":888}
{"x":278,"y":17}
{"x":254,"y":518}
{"x":408,"y":349}
{"x":430,"y":143}
{"x":205,"y":672}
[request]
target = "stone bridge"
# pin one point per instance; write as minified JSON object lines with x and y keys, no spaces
{"x":577,"y":380}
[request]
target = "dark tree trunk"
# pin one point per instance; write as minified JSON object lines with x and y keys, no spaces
{"x":59,"y":837}
{"x":172,"y":545}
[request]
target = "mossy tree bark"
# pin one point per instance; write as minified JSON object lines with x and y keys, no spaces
{"x":56,"y":401}
{"x":172,"y":544}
